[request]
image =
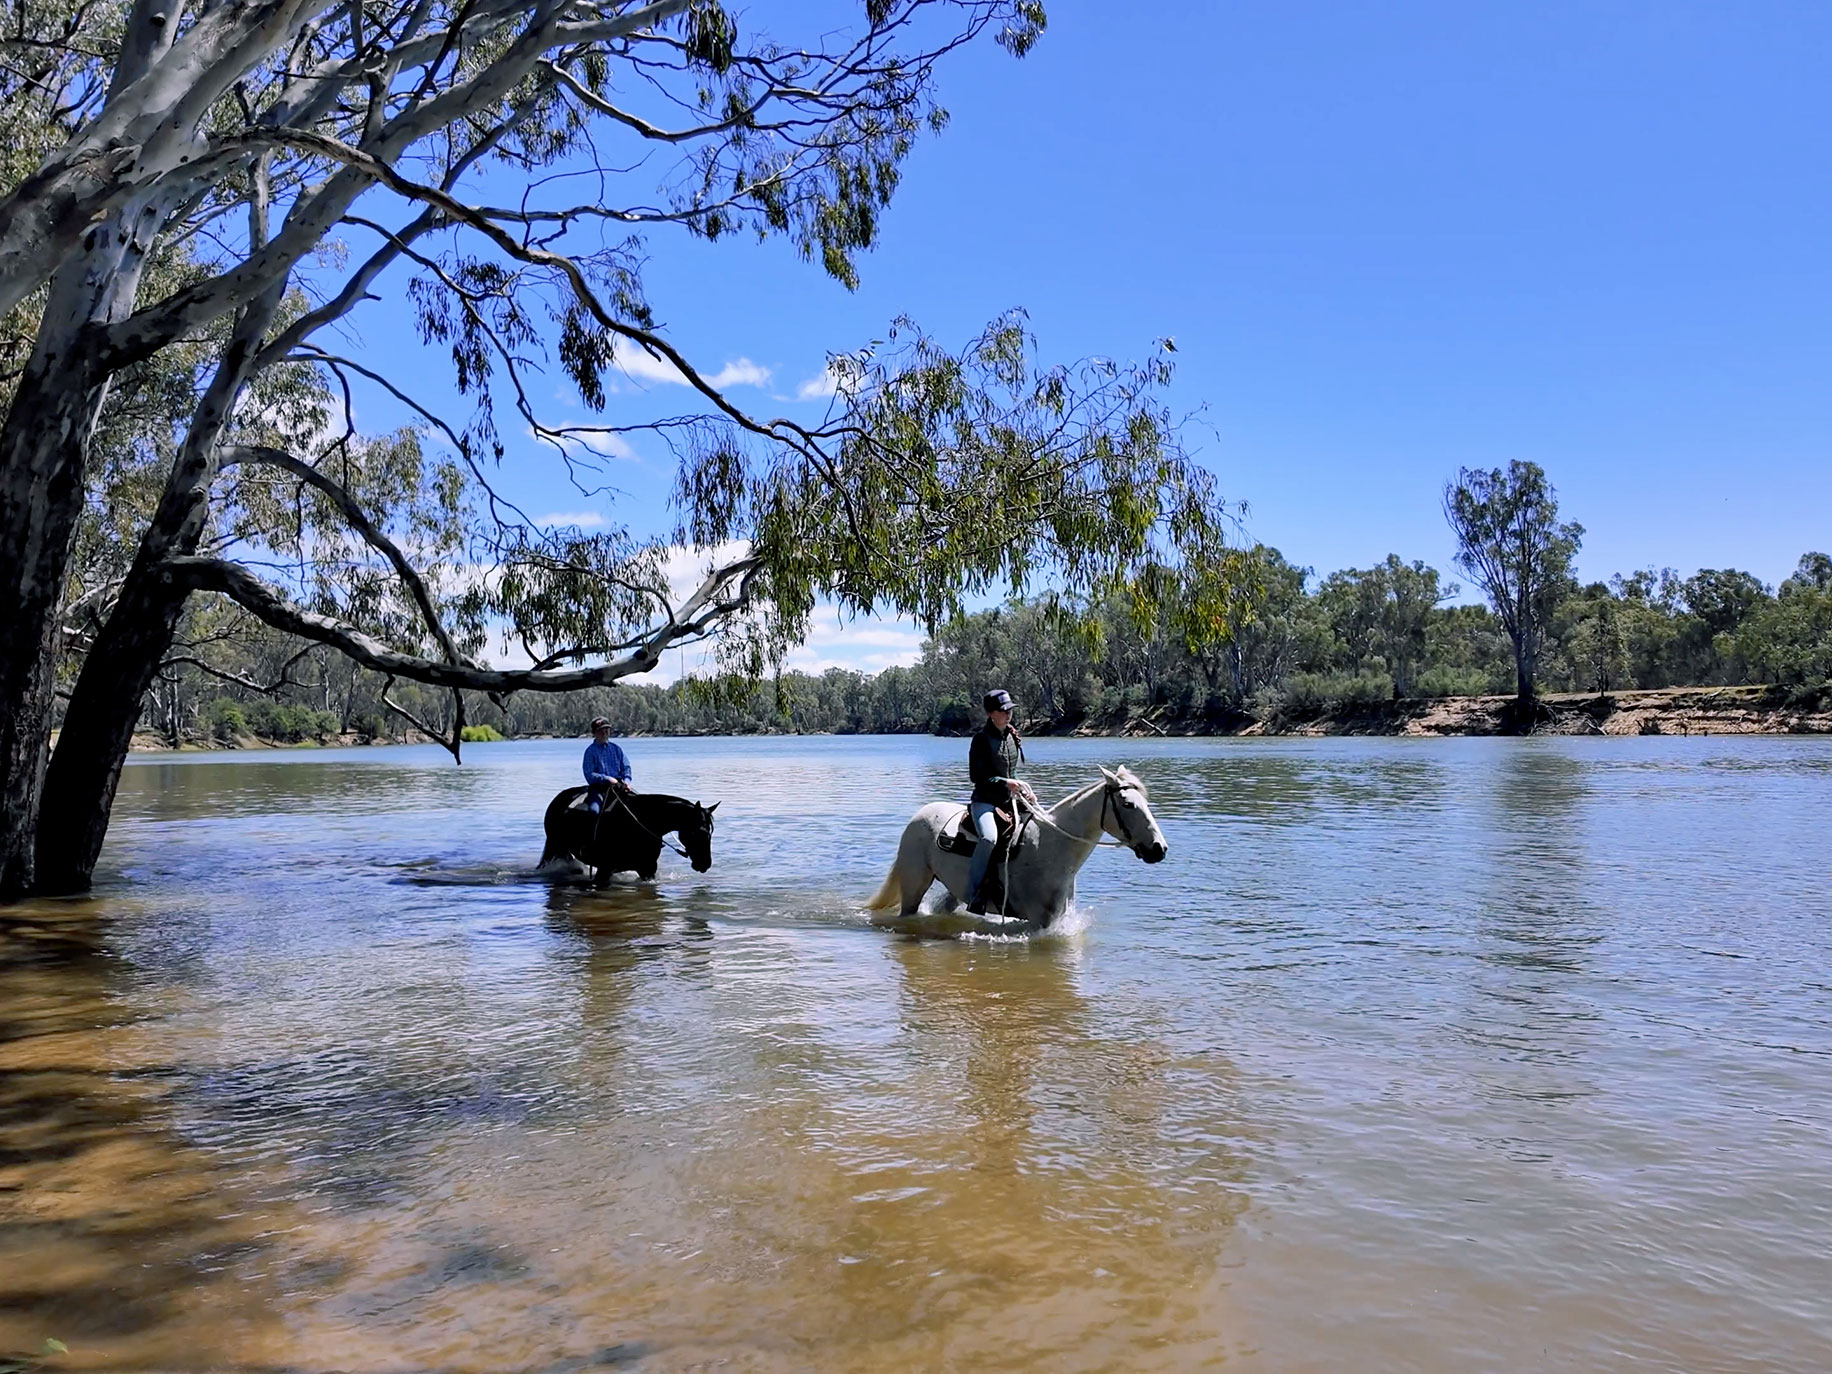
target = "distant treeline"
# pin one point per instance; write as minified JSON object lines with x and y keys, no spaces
{"x":1300,"y":645}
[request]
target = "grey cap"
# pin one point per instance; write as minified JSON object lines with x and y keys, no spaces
{"x":998,"y":699}
{"x":600,"y":722}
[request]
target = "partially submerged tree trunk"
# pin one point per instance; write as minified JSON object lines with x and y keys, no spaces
{"x":44,"y":452}
{"x":43,"y":448}
{"x":99,"y":723}
{"x":98,"y":730}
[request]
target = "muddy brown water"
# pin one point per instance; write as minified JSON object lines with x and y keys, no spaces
{"x":1414,"y":1055}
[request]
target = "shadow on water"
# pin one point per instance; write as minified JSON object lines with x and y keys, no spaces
{"x":92,"y":1171}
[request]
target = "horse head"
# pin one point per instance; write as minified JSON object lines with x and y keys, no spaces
{"x":696,"y":836}
{"x":1126,"y":816}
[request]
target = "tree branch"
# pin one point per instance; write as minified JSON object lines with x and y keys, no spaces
{"x":274,"y":607}
{"x":359,"y":521}
{"x":451,"y":746}
{"x":241,"y":679}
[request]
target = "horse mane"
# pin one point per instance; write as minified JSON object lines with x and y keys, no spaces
{"x":1123,"y":773}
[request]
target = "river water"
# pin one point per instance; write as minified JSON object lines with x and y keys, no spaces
{"x":1413,"y":1055}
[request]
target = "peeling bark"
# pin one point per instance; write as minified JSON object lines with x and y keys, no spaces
{"x":42,"y":453}
{"x":99,"y":722}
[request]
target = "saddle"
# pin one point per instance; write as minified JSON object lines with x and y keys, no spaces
{"x":585,"y":795}
{"x":958,"y":836}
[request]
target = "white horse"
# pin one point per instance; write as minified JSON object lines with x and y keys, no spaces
{"x":1040,"y":877}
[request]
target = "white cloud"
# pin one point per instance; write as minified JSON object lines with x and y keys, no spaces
{"x":645,"y":367}
{"x":866,"y":646}
{"x":819,"y":388}
{"x":741,"y":372}
{"x":579,"y":519}
{"x":686,"y":568}
{"x":614,"y":444}
{"x":843,"y":375}
{"x":641,"y":366}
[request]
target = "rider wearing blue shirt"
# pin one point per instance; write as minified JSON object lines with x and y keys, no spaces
{"x":605,"y":766}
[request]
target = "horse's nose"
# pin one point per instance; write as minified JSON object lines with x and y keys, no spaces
{"x":1154,"y":853}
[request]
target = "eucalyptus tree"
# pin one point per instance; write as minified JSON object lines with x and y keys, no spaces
{"x":1789,"y":638}
{"x":1381,"y":612}
{"x":1245,"y":614}
{"x":1512,"y":544}
{"x":289,"y":160}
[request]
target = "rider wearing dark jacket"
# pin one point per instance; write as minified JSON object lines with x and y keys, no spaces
{"x":992,"y":763}
{"x":993,"y":759}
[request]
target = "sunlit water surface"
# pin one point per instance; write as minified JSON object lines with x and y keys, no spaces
{"x":1439,"y":1055}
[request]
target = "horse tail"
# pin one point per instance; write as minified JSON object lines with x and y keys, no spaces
{"x":889,"y":895}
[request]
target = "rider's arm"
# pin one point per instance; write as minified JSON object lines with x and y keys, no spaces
{"x":981,"y":762}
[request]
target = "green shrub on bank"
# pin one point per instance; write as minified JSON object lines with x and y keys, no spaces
{"x":480,"y":734}
{"x":1458,"y":682}
{"x":1305,"y":696}
{"x":228,"y":720}
{"x":1312,"y":692}
{"x":225,"y":720}
{"x":278,"y":720}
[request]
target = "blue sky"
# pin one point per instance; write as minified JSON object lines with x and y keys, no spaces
{"x":1388,"y":240}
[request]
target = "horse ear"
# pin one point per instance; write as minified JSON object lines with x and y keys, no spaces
{"x":714,"y":807}
{"x":1108,"y":774}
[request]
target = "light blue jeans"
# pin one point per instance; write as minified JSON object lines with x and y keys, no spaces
{"x":986,"y":826}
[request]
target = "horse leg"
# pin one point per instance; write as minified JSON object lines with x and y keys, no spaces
{"x":913,"y":872}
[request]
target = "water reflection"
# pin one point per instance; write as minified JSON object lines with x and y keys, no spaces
{"x":115,"y":1231}
{"x":330,"y":1084}
{"x":1535,"y":912}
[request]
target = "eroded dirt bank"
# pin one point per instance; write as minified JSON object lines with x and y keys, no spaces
{"x":1657,"y":711}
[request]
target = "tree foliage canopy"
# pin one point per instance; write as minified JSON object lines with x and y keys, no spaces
{"x":201,"y":199}
{"x":1512,"y":545}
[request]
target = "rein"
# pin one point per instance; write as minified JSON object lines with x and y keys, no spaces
{"x":660,"y":839}
{"x":1038,"y":814}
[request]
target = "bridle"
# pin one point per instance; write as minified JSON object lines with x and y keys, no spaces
{"x":661,"y":839}
{"x":1110,"y":789}
{"x":1109,"y":799}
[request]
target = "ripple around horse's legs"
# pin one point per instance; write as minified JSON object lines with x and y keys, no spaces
{"x":955,"y":923}
{"x":1075,"y":921}
{"x":431,"y":873}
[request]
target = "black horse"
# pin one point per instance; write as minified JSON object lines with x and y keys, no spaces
{"x":627,"y":836}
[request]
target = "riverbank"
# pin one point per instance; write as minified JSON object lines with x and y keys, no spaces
{"x":1769,"y":710}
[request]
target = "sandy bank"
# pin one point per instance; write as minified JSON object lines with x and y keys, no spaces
{"x":1655,"y":711}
